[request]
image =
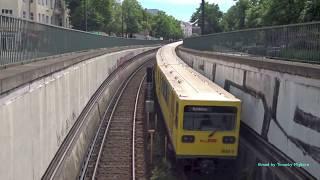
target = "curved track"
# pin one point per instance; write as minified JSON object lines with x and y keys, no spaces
{"x":112,"y":155}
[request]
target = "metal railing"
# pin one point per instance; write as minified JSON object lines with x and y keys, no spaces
{"x":23,"y":40}
{"x":297,"y":42}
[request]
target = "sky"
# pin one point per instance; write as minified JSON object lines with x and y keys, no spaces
{"x":182,"y":9}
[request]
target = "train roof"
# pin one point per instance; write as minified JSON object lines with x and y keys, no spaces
{"x":187,"y":83}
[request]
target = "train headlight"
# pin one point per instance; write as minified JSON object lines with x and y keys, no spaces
{"x":229,"y":139}
{"x":187,"y":139}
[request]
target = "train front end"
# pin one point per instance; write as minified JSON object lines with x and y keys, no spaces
{"x":208,"y":130}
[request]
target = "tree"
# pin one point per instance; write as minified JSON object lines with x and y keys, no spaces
{"x":282,"y":12}
{"x":257,"y":13}
{"x":166,"y":26}
{"x":229,"y":20}
{"x":311,"y":11}
{"x":235,"y":18}
{"x":212,"y":18}
{"x":254,"y":13}
{"x":97,"y":12}
{"x":132,"y":13}
{"x":103,"y":13}
{"x":115,"y":24}
{"x":242,"y":6}
{"x":146,"y":22}
{"x":106,"y":16}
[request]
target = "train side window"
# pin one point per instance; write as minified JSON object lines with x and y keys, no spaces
{"x":165,"y":91}
{"x":161,"y":85}
{"x":172,"y":103}
{"x":158,"y":74}
{"x":177,"y":114}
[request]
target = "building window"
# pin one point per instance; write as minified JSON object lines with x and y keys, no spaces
{"x":43,"y":18}
{"x":51,"y":4}
{"x":6,"y":11}
{"x":46,"y":2}
{"x":60,"y":21}
{"x":39,"y":2}
{"x":43,"y":2}
{"x":31,"y":16}
{"x":47,"y":19}
{"x":31,"y":1}
{"x":24,"y":14}
{"x":39,"y":17}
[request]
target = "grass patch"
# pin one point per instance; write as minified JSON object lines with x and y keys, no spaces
{"x":163,"y":171}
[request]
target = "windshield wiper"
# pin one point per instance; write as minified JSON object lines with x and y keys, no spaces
{"x":212,"y":132}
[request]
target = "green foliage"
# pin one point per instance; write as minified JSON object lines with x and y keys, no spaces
{"x":275,"y":12}
{"x":107,"y":16}
{"x":166,"y":26}
{"x":212,"y":18}
{"x":99,"y":14}
{"x":115,"y":26}
{"x":229,"y":21}
{"x":163,"y":171}
{"x":311,"y":11}
{"x":146,"y":21}
{"x":132,"y":13}
{"x":237,"y":16}
{"x":282,"y":12}
{"x":258,"y":13}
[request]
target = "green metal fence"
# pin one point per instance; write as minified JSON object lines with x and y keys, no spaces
{"x":22,"y":40}
{"x":297,"y":42}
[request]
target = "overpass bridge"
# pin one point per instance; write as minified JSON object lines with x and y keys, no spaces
{"x":57,"y":87}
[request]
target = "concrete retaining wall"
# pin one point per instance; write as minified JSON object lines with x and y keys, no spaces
{"x":70,"y":168}
{"x":36,"y":117}
{"x":281,"y":100}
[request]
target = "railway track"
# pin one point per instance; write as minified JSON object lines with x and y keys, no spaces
{"x":112,"y":154}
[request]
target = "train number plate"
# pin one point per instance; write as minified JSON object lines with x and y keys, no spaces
{"x":227,"y":151}
{"x":208,"y":140}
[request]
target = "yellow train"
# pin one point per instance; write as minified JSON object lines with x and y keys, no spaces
{"x":202,"y":119}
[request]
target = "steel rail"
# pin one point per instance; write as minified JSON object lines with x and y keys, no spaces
{"x":134,"y":127}
{"x":97,"y":134}
{"x":109,"y":121}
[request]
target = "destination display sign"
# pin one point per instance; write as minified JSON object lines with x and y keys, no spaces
{"x":213,"y":109}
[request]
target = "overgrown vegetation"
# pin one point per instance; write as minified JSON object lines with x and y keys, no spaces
{"x":163,"y":171}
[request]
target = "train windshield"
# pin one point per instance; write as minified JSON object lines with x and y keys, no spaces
{"x":209,"y":118}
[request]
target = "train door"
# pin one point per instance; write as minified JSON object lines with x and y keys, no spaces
{"x":171,"y":112}
{"x":176,"y":123}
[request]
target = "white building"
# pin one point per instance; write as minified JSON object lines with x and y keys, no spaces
{"x":153,"y":11}
{"x":186,"y":29}
{"x":43,"y":11}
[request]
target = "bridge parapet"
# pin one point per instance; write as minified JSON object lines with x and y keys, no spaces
{"x":22,"y":40}
{"x":295,"y":42}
